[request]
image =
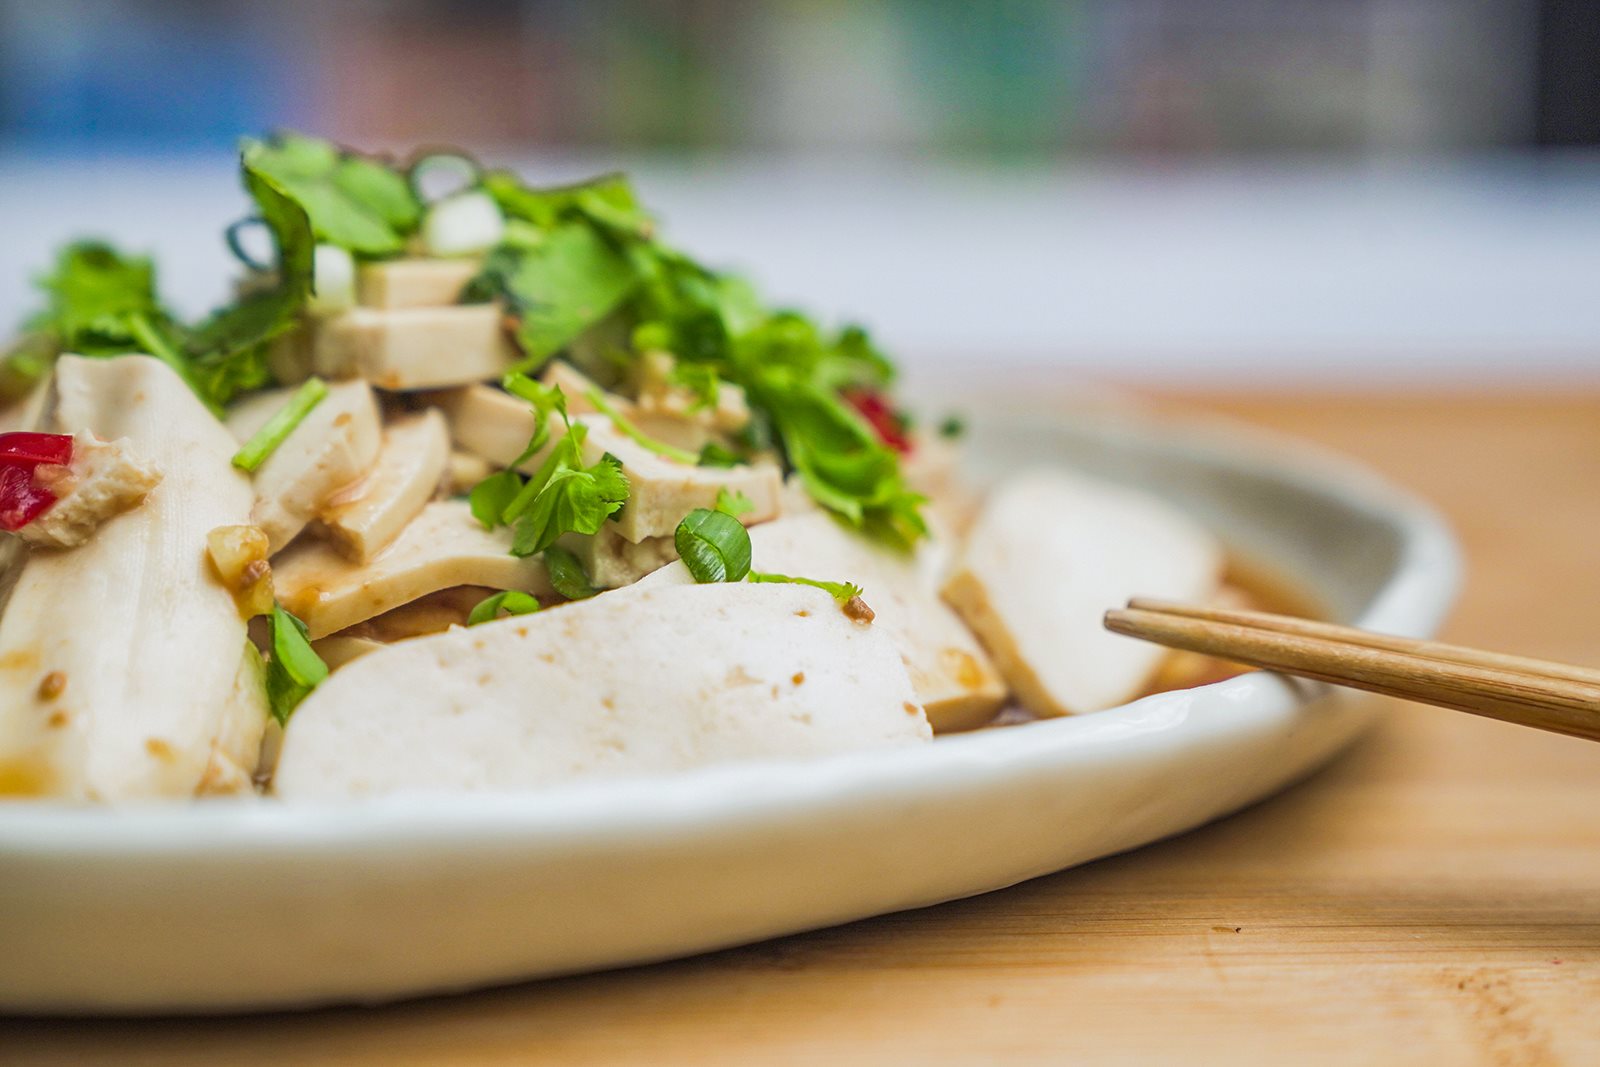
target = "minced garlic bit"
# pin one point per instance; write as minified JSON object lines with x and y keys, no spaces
{"x":239,"y":556}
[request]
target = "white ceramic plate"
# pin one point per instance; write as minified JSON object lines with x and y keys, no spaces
{"x":252,"y":904}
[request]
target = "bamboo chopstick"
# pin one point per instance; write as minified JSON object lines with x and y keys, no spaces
{"x":1530,"y":692}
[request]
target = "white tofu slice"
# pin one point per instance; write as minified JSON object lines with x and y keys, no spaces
{"x":443,"y":546}
{"x":612,"y":561}
{"x":104,"y":479}
{"x":124,"y":672}
{"x":414,"y":348}
{"x":334,"y":446}
{"x":365,"y":520}
{"x":413,"y":283}
{"x":1049,"y":554}
{"x":497,"y":426}
{"x":652,"y":683}
{"x":950,"y":672}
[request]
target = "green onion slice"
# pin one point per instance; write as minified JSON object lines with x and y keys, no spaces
{"x":266,"y":440}
{"x":714,"y":545}
{"x":567,"y":575}
{"x":295,"y":669}
{"x":512,"y":602}
{"x":638,"y":436}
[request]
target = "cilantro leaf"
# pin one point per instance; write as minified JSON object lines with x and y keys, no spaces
{"x":351,"y":201}
{"x":294,"y":669}
{"x":714,"y":545}
{"x":735,"y":503}
{"x":567,"y":497}
{"x":490,"y":498}
{"x":556,"y":283}
{"x":511,"y":601}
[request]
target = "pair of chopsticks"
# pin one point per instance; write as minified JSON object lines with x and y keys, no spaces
{"x":1530,"y":692}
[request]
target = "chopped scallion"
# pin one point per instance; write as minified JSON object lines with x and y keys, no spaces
{"x":625,"y":426}
{"x":266,"y":440}
{"x":511,"y":601}
{"x":714,"y":545}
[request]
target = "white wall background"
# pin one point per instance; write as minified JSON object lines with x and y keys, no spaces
{"x":1255,"y":275}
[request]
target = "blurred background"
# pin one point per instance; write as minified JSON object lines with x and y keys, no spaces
{"x":1247,"y":192}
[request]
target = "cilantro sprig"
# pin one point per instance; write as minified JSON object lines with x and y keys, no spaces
{"x":564,"y":495}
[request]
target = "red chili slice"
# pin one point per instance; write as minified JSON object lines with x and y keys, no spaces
{"x":33,"y":449}
{"x":20,"y":453}
{"x":881,"y":415}
{"x":20,"y":500}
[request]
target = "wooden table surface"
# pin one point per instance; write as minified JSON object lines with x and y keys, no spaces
{"x":1433,"y":897}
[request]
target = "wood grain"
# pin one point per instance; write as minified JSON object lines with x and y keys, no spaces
{"x":1434,"y":897}
{"x":1561,"y":699}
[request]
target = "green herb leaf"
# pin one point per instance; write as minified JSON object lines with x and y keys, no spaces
{"x":511,"y":601}
{"x":735,"y":503}
{"x":566,"y":574}
{"x":567,"y":497}
{"x":352,"y":201}
{"x":277,"y":429}
{"x":714,"y":545}
{"x":626,"y":427}
{"x":714,"y":455}
{"x":546,"y":400}
{"x":843,"y":592}
{"x":228,"y":350}
{"x":952,"y":427}
{"x":295,"y":669}
{"x":557,"y":284}
{"x":700,"y":380}
{"x":490,"y":498}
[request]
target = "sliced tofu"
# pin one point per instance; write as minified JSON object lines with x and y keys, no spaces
{"x":466,"y":470}
{"x":1049,"y":554}
{"x":414,"y":283}
{"x":652,"y":683}
{"x":612,"y":561}
{"x":414,"y":348}
{"x":497,"y":427}
{"x":367,"y":518}
{"x":104,"y":479}
{"x":443,"y":546}
{"x":124,"y":668}
{"x":334,"y":446}
{"x":952,"y":676}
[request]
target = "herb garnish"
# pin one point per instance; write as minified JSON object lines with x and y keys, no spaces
{"x":277,"y":429}
{"x":294,"y":669}
{"x":563,"y":495}
{"x":566,"y":574}
{"x":714,"y":545}
{"x":511,"y":601}
{"x":626,"y":427}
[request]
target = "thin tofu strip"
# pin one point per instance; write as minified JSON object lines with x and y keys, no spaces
{"x":612,"y":561}
{"x":414,"y":348}
{"x":1048,"y":555}
{"x":335,"y":445}
{"x":952,"y":676}
{"x":416,"y":451}
{"x":444,"y":546}
{"x":413,"y":283}
{"x":123,"y":665}
{"x":497,"y":426}
{"x":652,"y":683}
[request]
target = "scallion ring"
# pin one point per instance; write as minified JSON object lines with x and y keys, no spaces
{"x":233,"y":235}
{"x":714,"y":545}
{"x":457,"y":172}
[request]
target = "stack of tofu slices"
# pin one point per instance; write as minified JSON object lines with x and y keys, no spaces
{"x":373,"y":545}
